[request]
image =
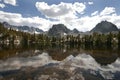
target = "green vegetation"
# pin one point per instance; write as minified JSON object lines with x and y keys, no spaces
{"x":94,"y":41}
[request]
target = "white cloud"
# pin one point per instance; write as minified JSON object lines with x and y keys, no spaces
{"x":79,"y":7}
{"x":84,"y":23}
{"x":88,"y":22}
{"x":67,"y":15}
{"x":2,"y":5}
{"x":90,"y":3}
{"x":108,"y":11}
{"x":11,"y":2}
{"x":94,"y":13}
{"x":60,"y":10}
{"x":17,"y":19}
{"x":53,"y":10}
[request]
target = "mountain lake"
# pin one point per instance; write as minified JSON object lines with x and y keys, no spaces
{"x":39,"y":62}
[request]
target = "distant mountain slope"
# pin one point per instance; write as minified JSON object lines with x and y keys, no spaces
{"x":57,"y":30}
{"x":105,"y":27}
{"x":23,"y":28}
{"x":75,"y":31}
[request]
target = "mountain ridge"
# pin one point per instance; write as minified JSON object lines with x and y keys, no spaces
{"x":105,"y":27}
{"x":58,"y":29}
{"x":23,"y":28}
{"x":61,"y":30}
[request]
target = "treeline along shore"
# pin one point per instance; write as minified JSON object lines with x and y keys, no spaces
{"x":94,"y":40}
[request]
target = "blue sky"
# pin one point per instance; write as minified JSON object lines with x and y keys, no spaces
{"x":80,"y":14}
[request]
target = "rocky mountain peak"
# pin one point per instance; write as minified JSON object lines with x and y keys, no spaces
{"x":105,"y":27}
{"x":58,"y":30}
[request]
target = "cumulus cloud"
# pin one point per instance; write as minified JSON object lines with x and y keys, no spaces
{"x":19,"y":20}
{"x":11,"y":2}
{"x":66,"y":13}
{"x":108,"y":11}
{"x":83,"y":23}
{"x":60,"y":10}
{"x":86,"y":23}
{"x":90,"y":3}
{"x":54,"y":10}
{"x":78,"y":7}
{"x":94,"y":13}
{"x":2,"y":5}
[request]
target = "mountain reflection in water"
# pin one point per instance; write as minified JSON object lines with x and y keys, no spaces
{"x":59,"y":63}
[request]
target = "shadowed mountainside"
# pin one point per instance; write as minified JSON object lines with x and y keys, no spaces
{"x":105,"y":27}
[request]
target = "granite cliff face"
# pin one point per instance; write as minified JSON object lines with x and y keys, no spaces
{"x":58,"y":30}
{"x":61,"y":30}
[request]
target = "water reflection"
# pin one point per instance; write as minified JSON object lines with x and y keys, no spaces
{"x":69,"y":64}
{"x":97,"y":64}
{"x":104,"y":57}
{"x":58,"y":52}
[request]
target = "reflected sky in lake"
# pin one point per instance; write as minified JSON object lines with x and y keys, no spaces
{"x":103,"y":64}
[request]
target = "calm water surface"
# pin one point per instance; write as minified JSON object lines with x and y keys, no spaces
{"x":58,"y":63}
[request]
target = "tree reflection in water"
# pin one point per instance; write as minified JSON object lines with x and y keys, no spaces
{"x":58,"y":52}
{"x":56,"y":60}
